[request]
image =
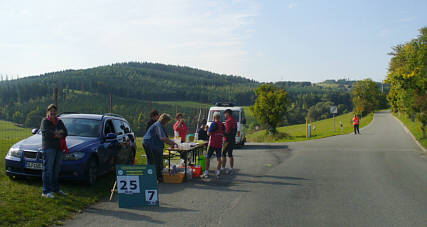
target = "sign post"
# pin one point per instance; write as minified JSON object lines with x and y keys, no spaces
{"x":361,"y":112}
{"x":137,"y":185}
{"x":334,"y":110}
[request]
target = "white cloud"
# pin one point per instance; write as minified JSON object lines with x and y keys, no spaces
{"x":405,"y":19}
{"x":383,"y":32}
{"x":292,"y":5}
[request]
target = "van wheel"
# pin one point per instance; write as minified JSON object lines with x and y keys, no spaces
{"x":91,"y":172}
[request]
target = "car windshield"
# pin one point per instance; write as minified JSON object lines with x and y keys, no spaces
{"x":235,"y":115}
{"x":82,"y":127}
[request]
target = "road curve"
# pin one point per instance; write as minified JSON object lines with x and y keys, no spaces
{"x":378,"y":178}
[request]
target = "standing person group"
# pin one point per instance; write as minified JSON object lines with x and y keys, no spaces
{"x":222,"y":140}
{"x":53,"y":145}
{"x":216,"y":135}
{"x":154,"y":116}
{"x":356,"y":122}
{"x":153,"y":143}
{"x":202,"y":131}
{"x":229,"y":140}
{"x":180,"y":128}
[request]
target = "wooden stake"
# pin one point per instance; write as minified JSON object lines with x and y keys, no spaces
{"x":113,"y":190}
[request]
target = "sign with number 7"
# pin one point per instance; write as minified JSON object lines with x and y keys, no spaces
{"x":151,"y":196}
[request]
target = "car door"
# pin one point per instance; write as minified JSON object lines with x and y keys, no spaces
{"x":131,"y":144}
{"x":122,"y":153}
{"x":110,"y":147}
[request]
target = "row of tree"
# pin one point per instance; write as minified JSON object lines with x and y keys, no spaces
{"x":136,"y":87}
{"x":273,"y":105}
{"x":407,"y":75}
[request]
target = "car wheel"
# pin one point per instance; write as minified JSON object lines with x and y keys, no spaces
{"x":91,"y":171}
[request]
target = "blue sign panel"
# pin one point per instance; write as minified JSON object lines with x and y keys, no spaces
{"x":137,"y":185}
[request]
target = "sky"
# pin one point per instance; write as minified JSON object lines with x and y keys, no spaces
{"x":268,"y":41}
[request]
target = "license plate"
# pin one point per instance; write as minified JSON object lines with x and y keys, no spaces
{"x":34,"y":165}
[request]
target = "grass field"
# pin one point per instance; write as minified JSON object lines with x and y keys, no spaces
{"x":323,"y":128}
{"x":21,"y":203}
{"x":414,"y":127}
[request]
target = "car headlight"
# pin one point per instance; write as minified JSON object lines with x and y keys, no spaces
{"x":14,"y":152}
{"x":74,"y":156}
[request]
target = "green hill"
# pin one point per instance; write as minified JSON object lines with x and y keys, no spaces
{"x":137,"y":88}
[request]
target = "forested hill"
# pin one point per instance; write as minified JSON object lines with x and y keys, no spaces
{"x":136,"y":88}
{"x":144,"y":81}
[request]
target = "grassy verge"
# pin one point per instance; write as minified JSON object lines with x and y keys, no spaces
{"x":20,"y":200}
{"x":322,"y":129}
{"x":414,"y":127}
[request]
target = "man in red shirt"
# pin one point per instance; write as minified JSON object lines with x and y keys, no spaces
{"x":180,"y":127}
{"x":216,"y":134}
{"x":356,"y":124}
{"x":230,"y":140}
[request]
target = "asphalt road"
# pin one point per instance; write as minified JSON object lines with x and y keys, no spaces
{"x":378,"y":178}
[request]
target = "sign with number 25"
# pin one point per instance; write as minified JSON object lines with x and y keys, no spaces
{"x":128,"y":184}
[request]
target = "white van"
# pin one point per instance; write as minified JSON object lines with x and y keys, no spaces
{"x":238,"y":114}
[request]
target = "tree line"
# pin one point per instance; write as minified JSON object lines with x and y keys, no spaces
{"x":407,"y":75}
{"x":136,"y":86}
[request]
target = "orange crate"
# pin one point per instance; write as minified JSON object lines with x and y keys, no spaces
{"x":173,"y":179}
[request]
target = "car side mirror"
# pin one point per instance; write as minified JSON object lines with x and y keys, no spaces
{"x":244,"y":121}
{"x":35,"y":131}
{"x":110,"y":136}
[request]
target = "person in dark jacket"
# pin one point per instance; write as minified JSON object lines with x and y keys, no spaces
{"x":154,"y":116}
{"x":53,"y":132}
{"x":230,"y":140}
{"x":202,"y":132}
{"x":153,"y":142}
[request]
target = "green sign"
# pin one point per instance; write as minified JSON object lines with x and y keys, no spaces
{"x":137,"y":185}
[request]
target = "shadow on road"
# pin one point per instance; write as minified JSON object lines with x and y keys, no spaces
{"x":276,"y":177}
{"x":122,"y":214}
{"x":164,"y":207}
{"x":223,"y":184}
{"x":265,"y":147}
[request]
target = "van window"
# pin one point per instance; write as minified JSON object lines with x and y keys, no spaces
{"x":236,"y":115}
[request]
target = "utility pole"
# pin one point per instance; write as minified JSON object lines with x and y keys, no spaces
{"x":55,"y":96}
{"x":111,"y":103}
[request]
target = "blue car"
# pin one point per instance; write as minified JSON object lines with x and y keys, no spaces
{"x":96,"y":143}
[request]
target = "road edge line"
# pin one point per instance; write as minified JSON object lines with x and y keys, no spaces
{"x":410,"y":134}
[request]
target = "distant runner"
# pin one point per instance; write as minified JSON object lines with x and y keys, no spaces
{"x":356,"y":124}
{"x":230,"y":140}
